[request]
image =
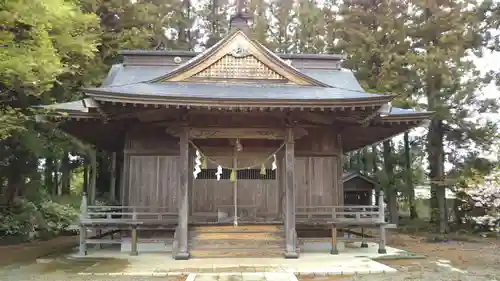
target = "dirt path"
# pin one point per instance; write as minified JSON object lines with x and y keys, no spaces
{"x":446,"y":261}
{"x":451,"y":261}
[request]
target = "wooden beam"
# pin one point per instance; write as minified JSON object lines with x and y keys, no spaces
{"x":314,"y":117}
{"x":241,"y":133}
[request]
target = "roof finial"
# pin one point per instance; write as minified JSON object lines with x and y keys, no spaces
{"x":240,"y":19}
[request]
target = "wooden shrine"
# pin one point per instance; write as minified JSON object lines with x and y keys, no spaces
{"x":236,"y":139}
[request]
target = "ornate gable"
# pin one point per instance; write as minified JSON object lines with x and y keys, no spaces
{"x":238,"y":68}
{"x":238,"y":59}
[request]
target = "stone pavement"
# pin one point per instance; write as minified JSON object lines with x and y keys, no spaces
{"x":267,"y":276}
{"x":320,"y":262}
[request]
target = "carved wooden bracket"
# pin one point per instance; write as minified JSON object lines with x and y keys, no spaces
{"x":241,"y":133}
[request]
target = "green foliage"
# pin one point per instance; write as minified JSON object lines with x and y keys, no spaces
{"x":30,"y":220}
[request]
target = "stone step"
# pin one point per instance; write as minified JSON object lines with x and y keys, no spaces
{"x":231,"y":228}
{"x":236,"y":253}
{"x":235,"y":244}
{"x":266,"y":236}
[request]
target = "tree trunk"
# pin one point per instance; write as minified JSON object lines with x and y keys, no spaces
{"x":375,"y":170}
{"x":390,"y":188}
{"x":436,"y":174}
{"x":409,"y":177}
{"x":49,"y":174}
{"x":65,"y":174}
{"x":14,"y":183}
{"x":85,"y":187}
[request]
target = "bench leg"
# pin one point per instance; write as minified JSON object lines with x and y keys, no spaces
{"x":133,"y":246}
{"x":99,"y":234}
{"x":381,"y":244}
{"x":363,"y":242}
{"x":334,"y":250}
{"x":82,"y":249}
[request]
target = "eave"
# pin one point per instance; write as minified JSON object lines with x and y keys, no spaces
{"x":147,"y":100}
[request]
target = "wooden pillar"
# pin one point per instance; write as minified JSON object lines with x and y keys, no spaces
{"x":183,"y":200}
{"x":235,"y":186}
{"x":82,"y":250}
{"x":381,"y":244}
{"x":112,"y":184}
{"x":290,"y":191}
{"x":125,"y":176}
{"x":334,"y":249}
{"x":93,"y":177}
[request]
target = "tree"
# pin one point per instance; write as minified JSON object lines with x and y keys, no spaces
{"x":443,"y":34}
{"x":41,"y":41}
{"x":373,"y":36}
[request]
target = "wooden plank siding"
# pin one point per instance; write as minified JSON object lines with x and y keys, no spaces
{"x":152,"y":180}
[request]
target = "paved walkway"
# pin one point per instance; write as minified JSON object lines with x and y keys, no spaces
{"x":269,"y":276}
{"x":353,"y":260}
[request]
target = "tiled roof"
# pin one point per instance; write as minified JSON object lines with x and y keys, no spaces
{"x":233,"y":91}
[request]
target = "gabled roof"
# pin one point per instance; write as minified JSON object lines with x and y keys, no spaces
{"x":347,"y":176}
{"x":237,"y":57}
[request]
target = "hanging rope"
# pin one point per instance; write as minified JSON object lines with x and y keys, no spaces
{"x":258,"y":164}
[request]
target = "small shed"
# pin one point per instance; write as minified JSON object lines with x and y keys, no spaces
{"x":359,"y":189}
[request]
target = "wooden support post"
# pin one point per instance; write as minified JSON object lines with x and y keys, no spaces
{"x":93,"y":177}
{"x":112,"y":184}
{"x":235,"y":186}
{"x":381,"y":206}
{"x":124,"y":184}
{"x":334,"y":249}
{"x":133,"y":245}
{"x":183,"y":207}
{"x":363,"y":241}
{"x":291,"y":239}
{"x":82,"y":250}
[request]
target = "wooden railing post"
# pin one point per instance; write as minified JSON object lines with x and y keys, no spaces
{"x":82,"y":250}
{"x":334,"y":249}
{"x":133,"y":245}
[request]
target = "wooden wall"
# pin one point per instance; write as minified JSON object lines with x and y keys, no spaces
{"x":151,"y":177}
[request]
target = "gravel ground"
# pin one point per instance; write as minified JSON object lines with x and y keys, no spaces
{"x":451,"y":261}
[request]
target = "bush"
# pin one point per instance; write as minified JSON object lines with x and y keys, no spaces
{"x":486,"y":198}
{"x":28,"y":220}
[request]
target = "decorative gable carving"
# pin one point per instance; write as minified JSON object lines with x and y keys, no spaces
{"x":239,"y":67}
{"x":236,"y":58}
